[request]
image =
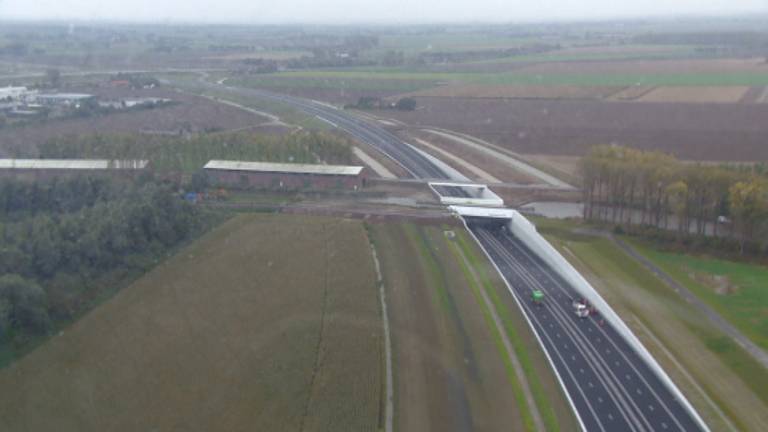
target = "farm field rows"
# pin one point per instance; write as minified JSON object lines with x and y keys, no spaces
{"x":674,"y":66}
{"x":705,"y":132}
{"x":266,"y":323}
{"x":521,"y":76}
{"x":702,"y":94}
{"x":640,"y":93}
{"x":519,"y":91}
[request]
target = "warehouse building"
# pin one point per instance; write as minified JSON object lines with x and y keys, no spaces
{"x":287,"y":176}
{"x":13,"y":93}
{"x":42,"y":169}
{"x":63,"y":99}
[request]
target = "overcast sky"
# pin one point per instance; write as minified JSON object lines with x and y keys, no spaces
{"x":349,"y":11}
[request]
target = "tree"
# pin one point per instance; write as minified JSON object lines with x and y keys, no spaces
{"x":53,"y":76}
{"x":23,"y":306}
{"x":678,"y":197}
{"x":749,"y":207}
{"x":393,"y":58}
{"x":406,"y":104}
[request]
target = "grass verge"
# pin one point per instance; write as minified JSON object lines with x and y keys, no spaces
{"x":737,"y":291}
{"x":497,"y":339}
{"x":720,"y":379}
{"x":539,"y":395}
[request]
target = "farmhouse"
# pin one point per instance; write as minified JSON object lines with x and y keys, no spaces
{"x":42,"y":169}
{"x":265,"y":175}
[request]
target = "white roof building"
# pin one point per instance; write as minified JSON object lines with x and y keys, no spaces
{"x":289,"y":168}
{"x":72,"y":164}
{"x":14,"y":93}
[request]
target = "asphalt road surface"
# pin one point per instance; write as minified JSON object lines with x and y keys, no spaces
{"x":612,"y":388}
{"x":414,"y":162}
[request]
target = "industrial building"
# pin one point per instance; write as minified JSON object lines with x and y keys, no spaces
{"x":42,"y":169}
{"x":287,"y":176}
{"x":63,"y":99}
{"x":13,"y":93}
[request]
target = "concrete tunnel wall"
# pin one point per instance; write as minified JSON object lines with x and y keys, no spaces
{"x":523,"y":229}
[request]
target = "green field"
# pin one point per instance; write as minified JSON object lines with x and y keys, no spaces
{"x":265,"y":323}
{"x":277,"y":81}
{"x":725,"y":384}
{"x":746,"y":307}
{"x":448,"y":42}
{"x":523,"y":78}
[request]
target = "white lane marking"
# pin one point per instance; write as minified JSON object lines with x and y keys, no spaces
{"x":529,"y":318}
{"x":601,"y":330}
{"x":602,"y":373}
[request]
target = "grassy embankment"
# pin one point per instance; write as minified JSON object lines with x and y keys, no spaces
{"x":724,"y":383}
{"x":443,"y":298}
{"x":737,"y":291}
{"x":464,"y":247}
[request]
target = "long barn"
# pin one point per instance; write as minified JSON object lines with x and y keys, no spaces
{"x":42,"y":169}
{"x":267,"y":175}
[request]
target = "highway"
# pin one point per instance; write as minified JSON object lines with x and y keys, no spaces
{"x":610,"y":386}
{"x":405,"y":155}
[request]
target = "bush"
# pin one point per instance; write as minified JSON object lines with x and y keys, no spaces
{"x":406,"y":104}
{"x":23,"y":306}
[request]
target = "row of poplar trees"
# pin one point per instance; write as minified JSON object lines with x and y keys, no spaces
{"x":628,"y":186}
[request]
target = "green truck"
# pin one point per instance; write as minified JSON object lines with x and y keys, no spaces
{"x":537,"y":297}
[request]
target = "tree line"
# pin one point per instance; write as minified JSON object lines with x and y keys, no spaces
{"x":182,"y":154}
{"x":626,"y":186}
{"x":64,"y":244}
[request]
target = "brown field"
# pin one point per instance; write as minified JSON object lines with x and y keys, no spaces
{"x":714,"y":132}
{"x":449,"y":376}
{"x":519,"y":91}
{"x":691,"y":66}
{"x":699,"y":94}
{"x":266,"y":323}
{"x":193,"y":114}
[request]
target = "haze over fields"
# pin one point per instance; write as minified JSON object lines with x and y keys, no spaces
{"x":390,"y":215}
{"x":347,"y":11}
